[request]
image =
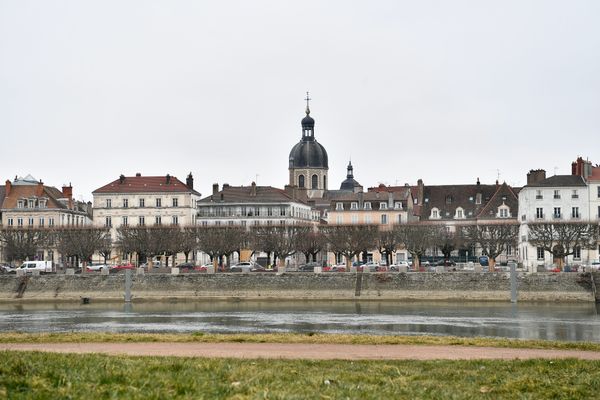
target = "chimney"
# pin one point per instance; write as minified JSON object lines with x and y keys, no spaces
{"x":420,"y":191}
{"x":573,"y":168}
{"x":168,"y":179}
{"x":138,"y":174}
{"x":253,"y":189}
{"x":215,"y":188}
{"x":8,"y":187}
{"x":68,"y":193}
{"x":121,"y":179}
{"x":225,"y":186}
{"x":189,"y":181}
{"x":39,"y":190}
{"x":535,"y":176}
{"x":478,"y":182}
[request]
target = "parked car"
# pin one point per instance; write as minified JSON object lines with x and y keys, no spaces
{"x":595,"y":265}
{"x":371,"y":266}
{"x":399,"y":265}
{"x":41,"y":266}
{"x":7,"y":269}
{"x":335,"y":268}
{"x":445,"y":263}
{"x":245,"y":266}
{"x":308,"y":267}
{"x":122,"y":267}
{"x":97,"y":267}
{"x":187,"y":266}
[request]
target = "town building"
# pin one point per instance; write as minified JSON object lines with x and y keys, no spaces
{"x":29,"y":203}
{"x":555,"y":199}
{"x":253,"y":206}
{"x":145,"y":201}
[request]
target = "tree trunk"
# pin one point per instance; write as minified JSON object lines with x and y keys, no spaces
{"x":491,"y":264}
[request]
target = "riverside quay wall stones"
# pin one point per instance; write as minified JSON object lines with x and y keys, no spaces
{"x":301,"y":286}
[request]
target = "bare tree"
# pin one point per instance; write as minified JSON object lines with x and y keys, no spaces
{"x":563,"y":239}
{"x":416,"y":239}
{"x":310,"y":242}
{"x":21,"y":244}
{"x":493,"y":239}
{"x":219,"y":242}
{"x":189,"y":241}
{"x":387,"y":241}
{"x":81,"y":242}
{"x":350,"y":240}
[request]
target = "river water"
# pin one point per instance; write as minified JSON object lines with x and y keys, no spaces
{"x":565,"y":322}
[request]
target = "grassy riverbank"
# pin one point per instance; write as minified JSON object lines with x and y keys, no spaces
{"x":46,"y":375}
{"x":290,"y":338}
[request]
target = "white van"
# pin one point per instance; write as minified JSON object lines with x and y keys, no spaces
{"x":41,"y":266}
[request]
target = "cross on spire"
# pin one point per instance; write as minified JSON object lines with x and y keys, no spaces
{"x":307,"y":100}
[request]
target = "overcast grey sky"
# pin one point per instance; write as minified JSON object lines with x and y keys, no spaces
{"x":446,"y":91}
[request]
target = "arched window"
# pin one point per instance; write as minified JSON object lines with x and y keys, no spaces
{"x":315,"y":182}
{"x":301,"y":181}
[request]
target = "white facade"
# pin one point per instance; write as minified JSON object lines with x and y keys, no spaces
{"x":553,"y":204}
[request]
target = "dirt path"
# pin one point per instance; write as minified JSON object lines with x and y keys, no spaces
{"x":304,"y":351}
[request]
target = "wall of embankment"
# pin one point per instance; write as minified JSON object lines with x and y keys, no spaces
{"x":461,"y":286}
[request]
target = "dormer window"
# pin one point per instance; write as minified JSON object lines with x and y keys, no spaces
{"x":354,"y":205}
{"x":43,"y":203}
{"x":503,"y":211}
{"x":383,"y":206}
{"x":20,"y":204}
{"x":435,"y":213}
{"x":478,"y":198}
{"x":448,"y":199}
{"x":367,"y":205}
{"x":459,"y":214}
{"x":339,"y":206}
{"x":31,"y":203}
{"x":398,"y":205}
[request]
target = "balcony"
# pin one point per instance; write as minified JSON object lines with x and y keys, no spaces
{"x":539,"y":197}
{"x":574,"y":196}
{"x":557,"y":196}
{"x":556,"y":216}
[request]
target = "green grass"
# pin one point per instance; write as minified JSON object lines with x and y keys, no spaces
{"x":291,"y":338}
{"x":34,"y":375}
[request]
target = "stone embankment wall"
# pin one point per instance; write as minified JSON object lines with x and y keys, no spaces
{"x":330,"y":286}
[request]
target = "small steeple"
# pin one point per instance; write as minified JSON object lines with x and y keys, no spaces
{"x":350,"y":173}
{"x":307,"y":106}
{"x":308,"y":123}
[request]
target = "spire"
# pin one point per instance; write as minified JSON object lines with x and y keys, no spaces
{"x":307,"y":106}
{"x":350,"y":174}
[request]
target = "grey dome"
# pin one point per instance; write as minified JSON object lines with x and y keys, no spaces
{"x":349,"y":183}
{"x":308,"y":153}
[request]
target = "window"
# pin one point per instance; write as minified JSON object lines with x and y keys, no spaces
{"x":384,"y":219}
{"x":175,"y":220}
{"x":556,"y":212}
{"x":31,"y":203}
{"x":51,"y":221}
{"x":539,"y":213}
{"x":21,"y":203}
{"x":354,"y":219}
{"x":577,"y":253}
{"x":339,"y":220}
{"x":175,"y":202}
{"x":540,"y":253}
{"x":509,"y":250}
{"x":598,"y":215}
{"x":108,"y":222}
{"x":142,"y":203}
{"x":459,"y":213}
{"x":538,"y":195}
{"x":30,"y":222}
{"x":399,"y":218}
{"x":557,"y":194}
{"x":282,"y":211}
{"x":19,"y":221}
{"x":339,"y":206}
{"x":575,"y":212}
{"x":10,"y":222}
{"x":108,"y":203}
{"x":315,"y":182}
{"x":383,"y":206}
{"x":142,"y":221}
{"x":269,"y":211}
{"x":398,"y":205}
{"x":598,"y":188}
{"x":574,"y":195}
{"x":367,"y":205}
{"x":368,"y":219}
{"x":124,"y":221}
{"x":503,"y":212}
{"x":157,"y":220}
{"x":354,"y":205}
{"x":42,"y":203}
{"x":159,"y":202}
{"x":301,"y":181}
{"x":42,"y":221}
{"x":434,"y":213}
{"x":325,"y":182}
{"x":125,"y":203}
{"x":478,"y":198}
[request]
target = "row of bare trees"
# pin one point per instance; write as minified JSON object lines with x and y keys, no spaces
{"x":280,"y":242}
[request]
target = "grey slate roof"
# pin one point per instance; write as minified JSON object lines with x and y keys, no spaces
{"x":249,"y":194}
{"x":560,"y":181}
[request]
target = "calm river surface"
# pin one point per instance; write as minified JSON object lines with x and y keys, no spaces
{"x":569,"y":322}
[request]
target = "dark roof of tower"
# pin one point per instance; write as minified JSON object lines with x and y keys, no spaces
{"x":308,"y":153}
{"x":349,"y":183}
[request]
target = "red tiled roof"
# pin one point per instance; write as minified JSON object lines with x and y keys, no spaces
{"x":27,"y":191}
{"x":145,"y":184}
{"x":595,"y":177}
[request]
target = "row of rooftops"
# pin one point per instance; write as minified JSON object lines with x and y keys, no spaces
{"x":477,"y":200}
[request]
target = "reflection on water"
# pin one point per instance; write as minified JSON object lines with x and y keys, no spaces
{"x":572,"y":322}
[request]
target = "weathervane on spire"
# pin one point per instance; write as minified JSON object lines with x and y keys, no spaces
{"x":307,"y":100}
